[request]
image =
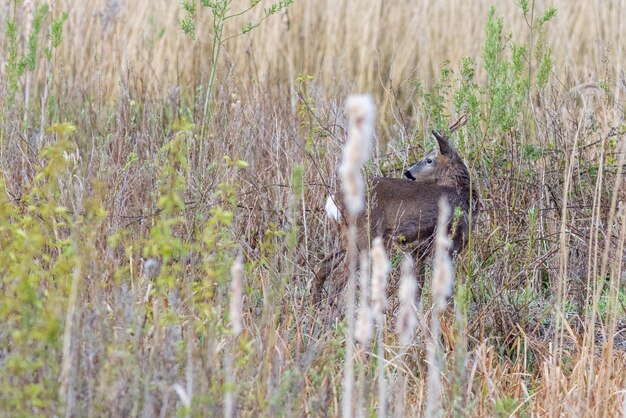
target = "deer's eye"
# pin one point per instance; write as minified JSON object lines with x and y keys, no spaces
{"x":429,"y":160}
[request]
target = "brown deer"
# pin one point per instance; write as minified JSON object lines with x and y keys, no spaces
{"x":405,"y":211}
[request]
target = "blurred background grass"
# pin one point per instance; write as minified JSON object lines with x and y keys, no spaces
{"x":371,"y":45}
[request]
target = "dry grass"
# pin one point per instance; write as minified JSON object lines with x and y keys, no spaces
{"x":361,"y":44}
{"x":116,"y":244}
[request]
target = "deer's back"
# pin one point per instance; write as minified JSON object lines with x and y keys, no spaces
{"x":407,"y":211}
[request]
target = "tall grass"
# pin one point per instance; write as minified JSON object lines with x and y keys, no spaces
{"x":118,"y":231}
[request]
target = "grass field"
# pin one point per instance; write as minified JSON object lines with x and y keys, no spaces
{"x":146,"y":146}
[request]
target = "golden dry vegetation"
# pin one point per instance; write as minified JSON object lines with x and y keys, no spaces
{"x":128,"y":192}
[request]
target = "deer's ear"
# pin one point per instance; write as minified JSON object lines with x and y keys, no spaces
{"x":444,"y":146}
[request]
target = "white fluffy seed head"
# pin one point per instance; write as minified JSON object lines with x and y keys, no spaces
{"x":380,"y":270}
{"x":353,"y":187}
{"x":236,"y":295}
{"x":407,"y":319}
{"x":363,"y":330}
{"x":356,"y":151}
{"x":361,"y":117}
{"x":443,"y":273}
{"x":408,"y":284}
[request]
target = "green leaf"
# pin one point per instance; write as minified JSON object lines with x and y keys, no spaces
{"x":65,"y":128}
{"x":547,"y":15}
{"x":545,"y":68}
{"x":523,"y":4}
{"x":189,"y":6}
{"x":56,"y":30}
{"x":188,"y":26}
{"x":182,"y":125}
{"x":241,"y":164}
{"x":248,"y":27}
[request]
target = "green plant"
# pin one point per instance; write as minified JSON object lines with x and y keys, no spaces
{"x":40,"y":261}
{"x":23,"y":64}
{"x":220,"y":10}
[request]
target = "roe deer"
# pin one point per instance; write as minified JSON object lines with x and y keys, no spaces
{"x":405,"y":211}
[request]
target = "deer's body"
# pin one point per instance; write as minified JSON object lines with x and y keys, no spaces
{"x":405,"y":211}
{"x":393,"y":213}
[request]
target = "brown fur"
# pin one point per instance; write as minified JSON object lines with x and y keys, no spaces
{"x":404,"y":212}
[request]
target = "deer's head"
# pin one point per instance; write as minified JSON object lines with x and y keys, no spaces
{"x":436,"y":165}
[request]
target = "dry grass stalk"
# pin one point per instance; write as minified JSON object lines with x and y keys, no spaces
{"x":407,"y":319}
{"x":380,"y":270}
{"x":348,"y":372}
{"x":441,"y":290}
{"x":361,"y":114}
{"x":182,"y":395}
{"x":363,"y":331}
{"x":405,"y":326}
{"x":589,"y":342}
{"x":402,"y":57}
{"x":236,"y":295}
{"x":68,"y":374}
{"x":236,"y":308}
{"x":615,"y":272}
{"x":364,"y":328}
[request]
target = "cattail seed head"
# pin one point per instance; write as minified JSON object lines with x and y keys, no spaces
{"x":353,"y":191}
{"x":356,"y":152}
{"x":236,"y":295}
{"x":407,"y":319}
{"x":380,"y":270}
{"x":361,"y":117}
